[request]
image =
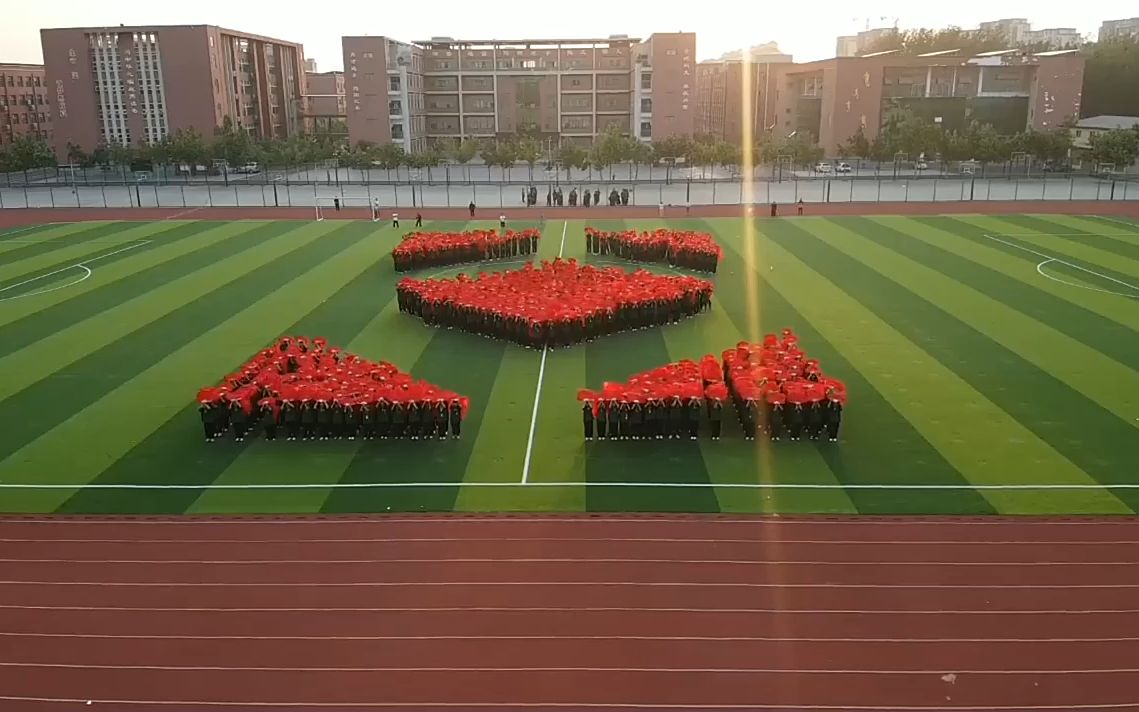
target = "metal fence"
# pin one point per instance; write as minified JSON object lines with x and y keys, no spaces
{"x":476,"y":173}
{"x":421,"y":194}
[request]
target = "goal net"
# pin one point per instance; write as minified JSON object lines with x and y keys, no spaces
{"x":350,"y":207}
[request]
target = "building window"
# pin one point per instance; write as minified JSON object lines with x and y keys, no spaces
{"x":397,"y":131}
{"x":529,"y":64}
{"x":646,"y":106}
{"x":647,"y":81}
{"x":646,"y":129}
{"x":395,"y":107}
{"x":1079,"y":134}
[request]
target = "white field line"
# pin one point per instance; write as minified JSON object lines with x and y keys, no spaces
{"x":567,"y":560}
{"x":1040,"y":270}
{"x":566,"y":540}
{"x":597,"y":609}
{"x":82,"y":265}
{"x":681,"y":485}
{"x":574,"y":705}
{"x":1053,"y":258}
{"x":653,"y":638}
{"x":572,"y":669}
{"x":591,"y":584}
{"x":704,"y":520}
{"x":1127,"y":223}
{"x":87,"y":272}
{"x":538,"y":388}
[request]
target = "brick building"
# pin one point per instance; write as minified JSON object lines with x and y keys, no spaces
{"x":325,"y":103}
{"x":137,"y":85}
{"x":555,"y":90}
{"x":25,"y":108}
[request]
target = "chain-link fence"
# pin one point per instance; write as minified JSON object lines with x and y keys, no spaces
{"x":143,"y":193}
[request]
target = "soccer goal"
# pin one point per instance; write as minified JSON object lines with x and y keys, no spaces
{"x":330,"y":206}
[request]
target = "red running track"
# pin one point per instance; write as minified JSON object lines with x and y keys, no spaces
{"x":605,"y":613}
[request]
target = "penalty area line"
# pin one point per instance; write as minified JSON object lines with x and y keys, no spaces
{"x":538,"y":388}
{"x":575,"y":483}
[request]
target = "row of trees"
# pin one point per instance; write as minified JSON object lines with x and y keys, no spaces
{"x":910,"y":135}
{"x":903,"y":134}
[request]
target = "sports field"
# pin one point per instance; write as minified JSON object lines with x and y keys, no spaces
{"x":992,"y":365}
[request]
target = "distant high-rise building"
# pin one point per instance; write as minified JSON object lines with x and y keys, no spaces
{"x":137,"y":85}
{"x":1055,"y":37}
{"x":384,"y":88}
{"x":1014,"y":29}
{"x":855,"y":45}
{"x":1116,"y":29}
{"x":25,"y":102}
{"x":310,"y":66}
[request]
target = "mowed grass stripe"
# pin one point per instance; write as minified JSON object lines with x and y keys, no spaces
{"x":195,"y":247}
{"x":1087,"y":373}
{"x":500,"y":451}
{"x":48,"y":238}
{"x":1072,"y":250}
{"x":121,"y":269}
{"x":966,"y":240}
{"x":616,"y":358}
{"x":16,"y":268}
{"x":732,"y":458}
{"x":106,"y":254}
{"x":127,"y":339}
{"x":878,"y":444}
{"x":166,"y":315}
{"x":125,"y":416}
{"x":464,"y":363}
{"x":1003,"y":354}
{"x":1108,"y":238}
{"x":347,"y":319}
{"x":980,"y":439}
{"x":338,"y":318}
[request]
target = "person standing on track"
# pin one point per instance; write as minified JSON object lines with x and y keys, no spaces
{"x":799,"y":206}
{"x":419,"y":219}
{"x":395,"y":220}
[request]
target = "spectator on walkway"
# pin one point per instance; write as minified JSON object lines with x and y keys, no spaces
{"x":800,"y":206}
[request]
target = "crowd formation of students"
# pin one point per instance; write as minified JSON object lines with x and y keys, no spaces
{"x":780,"y":392}
{"x":556,"y":303}
{"x":679,"y":248}
{"x":305,"y":390}
{"x":776,"y":390}
{"x":436,"y":249}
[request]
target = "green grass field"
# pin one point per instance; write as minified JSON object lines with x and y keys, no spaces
{"x":992,"y":366}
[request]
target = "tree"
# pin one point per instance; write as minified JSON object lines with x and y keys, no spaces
{"x":1109,"y":68}
{"x":26,"y":153}
{"x":1051,"y":146}
{"x":857,"y":145}
{"x":1119,"y":146}
{"x":611,"y":147}
{"x":233,"y":144}
{"x":527,"y":150}
{"x":673,"y":147}
{"x":187,"y":146}
{"x":572,"y":156}
{"x":388,"y":156}
{"x":968,"y":42}
{"x":77,"y":156}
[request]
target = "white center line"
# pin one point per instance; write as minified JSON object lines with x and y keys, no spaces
{"x":538,"y":389}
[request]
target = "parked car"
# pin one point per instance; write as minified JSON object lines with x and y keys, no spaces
{"x":843,"y":168}
{"x":248,"y":168}
{"x":823,"y":167}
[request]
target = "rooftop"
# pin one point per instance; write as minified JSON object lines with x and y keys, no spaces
{"x":1108,"y":122}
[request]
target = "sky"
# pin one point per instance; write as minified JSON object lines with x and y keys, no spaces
{"x":805,"y":30}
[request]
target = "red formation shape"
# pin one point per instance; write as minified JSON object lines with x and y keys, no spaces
{"x":680,"y":248}
{"x":777,"y":390}
{"x":662,"y":403}
{"x":556,"y":304}
{"x":316,"y":391}
{"x":434,"y":249}
{"x":774,"y":386}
